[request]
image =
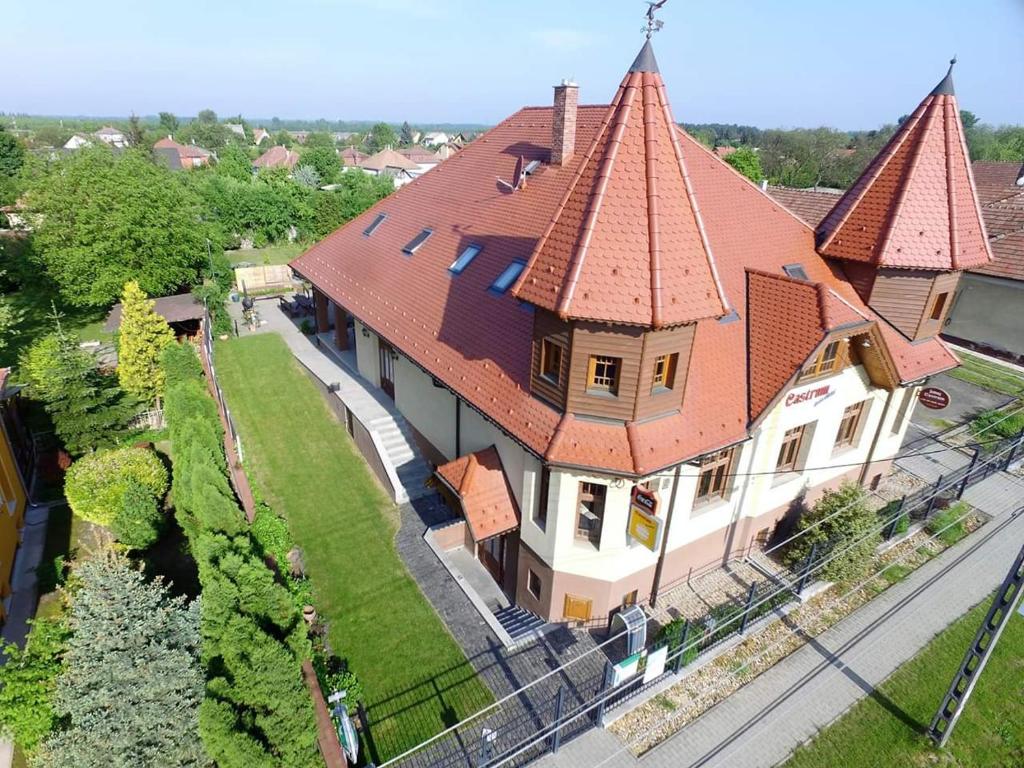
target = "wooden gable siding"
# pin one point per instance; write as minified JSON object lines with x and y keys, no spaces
{"x":547,"y":325}
{"x":622,"y":342}
{"x":901,"y":295}
{"x":677,"y":341}
{"x":861,"y":277}
{"x":944,"y":282}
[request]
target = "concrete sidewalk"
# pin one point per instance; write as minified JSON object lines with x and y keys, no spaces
{"x":761,"y":724}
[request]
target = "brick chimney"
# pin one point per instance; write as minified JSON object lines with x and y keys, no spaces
{"x":563,"y":123}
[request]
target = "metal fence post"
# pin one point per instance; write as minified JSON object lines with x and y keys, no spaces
{"x":556,"y":736}
{"x":967,"y":477}
{"x":931,"y":500}
{"x":746,"y":612}
{"x":1013,"y":450}
{"x":890,"y":530}
{"x":684,"y":632}
{"x":806,"y":569}
{"x":606,"y":685}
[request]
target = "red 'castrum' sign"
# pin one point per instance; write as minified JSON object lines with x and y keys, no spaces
{"x":933,"y":397}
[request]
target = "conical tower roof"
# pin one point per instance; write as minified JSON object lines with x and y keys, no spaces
{"x":915,"y":206}
{"x":627,"y":244}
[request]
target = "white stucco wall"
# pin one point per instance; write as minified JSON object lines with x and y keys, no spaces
{"x":367,"y":358}
{"x":430,"y":409}
{"x":751,"y":495}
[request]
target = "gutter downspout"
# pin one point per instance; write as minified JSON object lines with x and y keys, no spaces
{"x":664,"y":539}
{"x":875,"y":439}
{"x":458,"y":426}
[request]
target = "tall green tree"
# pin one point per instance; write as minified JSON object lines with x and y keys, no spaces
{"x":407,"y":135}
{"x":381,"y":135}
{"x":233,"y":161}
{"x":12,"y":154}
{"x":105,"y":220}
{"x":324,"y":160}
{"x":284,"y":139}
{"x":319,"y":139}
{"x":87,"y":407}
{"x":168,"y":122}
{"x":132,"y":685}
{"x":136,"y":134}
{"x":28,"y":683}
{"x":748,"y":162}
{"x":142,"y":338}
{"x":355,"y":193}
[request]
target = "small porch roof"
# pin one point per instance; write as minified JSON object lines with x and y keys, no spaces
{"x":479,"y":481}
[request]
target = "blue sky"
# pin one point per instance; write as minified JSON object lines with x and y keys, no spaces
{"x":782,"y":63}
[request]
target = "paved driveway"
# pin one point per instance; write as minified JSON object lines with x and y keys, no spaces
{"x":965,"y":402}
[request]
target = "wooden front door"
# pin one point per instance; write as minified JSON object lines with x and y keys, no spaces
{"x":492,"y":554}
{"x":387,"y":369}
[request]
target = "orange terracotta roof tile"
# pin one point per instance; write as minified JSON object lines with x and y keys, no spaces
{"x":478,"y":343}
{"x":630,"y":196}
{"x":915,"y":205}
{"x":479,"y":480}
{"x":277,"y":157}
{"x":810,"y":205}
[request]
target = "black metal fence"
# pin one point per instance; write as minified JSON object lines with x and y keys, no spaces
{"x":539,"y":717}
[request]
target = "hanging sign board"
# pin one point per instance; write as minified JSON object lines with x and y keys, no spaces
{"x":934,"y":398}
{"x":644,"y":525}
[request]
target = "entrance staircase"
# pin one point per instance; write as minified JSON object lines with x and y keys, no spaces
{"x":394,"y":435}
{"x":520,"y":623}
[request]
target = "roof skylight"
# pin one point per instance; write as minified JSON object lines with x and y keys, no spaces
{"x":414,"y":245}
{"x":795,"y":270}
{"x":464,"y":259}
{"x":378,"y":220}
{"x":508,"y":276}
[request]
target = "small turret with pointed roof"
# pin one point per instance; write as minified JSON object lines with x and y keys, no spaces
{"x":915,"y":206}
{"x":627,"y":244}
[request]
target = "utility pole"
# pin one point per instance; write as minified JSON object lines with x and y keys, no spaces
{"x":978,"y":654}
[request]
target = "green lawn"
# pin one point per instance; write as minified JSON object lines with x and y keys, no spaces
{"x":416,"y":678}
{"x":34,"y":301}
{"x":886,"y":728}
{"x":281,"y":253}
{"x":977,"y":370}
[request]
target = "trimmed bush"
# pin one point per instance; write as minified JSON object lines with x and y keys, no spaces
{"x":846,"y":540}
{"x":139,"y":521}
{"x":946,"y":527}
{"x":96,"y":484}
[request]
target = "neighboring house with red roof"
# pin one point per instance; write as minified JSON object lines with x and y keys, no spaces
{"x":630,"y":313}
{"x":424,"y":158}
{"x":277,"y":157}
{"x":351,"y":157}
{"x":259,"y":135}
{"x":987,"y":310}
{"x":390,"y":163}
{"x":178,"y":156}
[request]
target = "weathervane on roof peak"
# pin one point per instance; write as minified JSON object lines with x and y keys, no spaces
{"x":653,"y":25}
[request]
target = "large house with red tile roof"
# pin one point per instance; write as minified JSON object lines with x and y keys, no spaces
{"x":178,"y":156}
{"x":987,"y":311}
{"x":277,"y":157}
{"x":627,"y":362}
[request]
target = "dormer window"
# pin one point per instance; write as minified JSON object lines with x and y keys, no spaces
{"x":550,"y":361}
{"x":464,"y":259}
{"x":508,"y":276}
{"x":664,"y":375}
{"x":377,"y":221}
{"x":830,"y":360}
{"x":939,"y":306}
{"x":417,"y":242}
{"x":603,"y":374}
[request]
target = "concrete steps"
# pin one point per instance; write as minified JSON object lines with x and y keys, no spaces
{"x":519,"y":623}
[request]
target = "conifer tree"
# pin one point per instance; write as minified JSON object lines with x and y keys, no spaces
{"x":143,"y":337}
{"x":132,"y":684}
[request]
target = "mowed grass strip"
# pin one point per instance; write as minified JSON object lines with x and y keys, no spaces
{"x":887,"y":729}
{"x":416,"y":679}
{"x":998,"y":378}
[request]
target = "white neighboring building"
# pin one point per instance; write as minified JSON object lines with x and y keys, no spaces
{"x":112,"y":136}
{"x":435,"y":138}
{"x":77,"y":141}
{"x":388,"y":162}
